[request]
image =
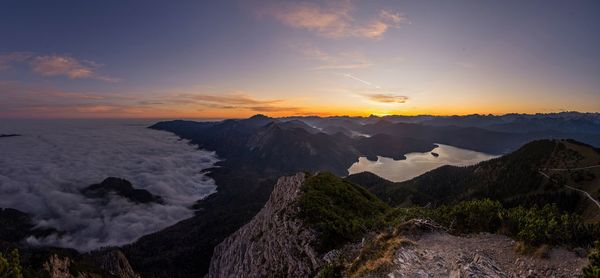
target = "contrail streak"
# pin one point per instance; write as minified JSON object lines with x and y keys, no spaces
{"x":361,"y":80}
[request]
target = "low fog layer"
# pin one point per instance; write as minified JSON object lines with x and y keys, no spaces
{"x":42,"y":171}
{"x":417,"y":164}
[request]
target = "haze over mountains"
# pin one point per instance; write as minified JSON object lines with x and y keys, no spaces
{"x":299,"y":138}
{"x":251,"y":154}
{"x":253,"y":151}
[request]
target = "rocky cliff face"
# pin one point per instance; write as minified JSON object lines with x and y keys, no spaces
{"x":98,"y":264}
{"x":58,"y":267}
{"x":113,"y":262}
{"x":273,"y":244}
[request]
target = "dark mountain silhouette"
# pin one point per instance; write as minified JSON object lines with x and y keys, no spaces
{"x":255,"y":152}
{"x":464,"y":137}
{"x":120,"y":187}
{"x":390,"y":146}
{"x":258,"y":150}
{"x":519,"y":128}
{"x":287,"y":146}
{"x":16,"y":225}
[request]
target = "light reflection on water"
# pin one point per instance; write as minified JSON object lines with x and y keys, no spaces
{"x":417,"y":164}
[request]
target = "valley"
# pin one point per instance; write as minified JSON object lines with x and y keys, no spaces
{"x":416,"y":164}
{"x":425,"y":179}
{"x":317,"y":144}
{"x":300,"y":139}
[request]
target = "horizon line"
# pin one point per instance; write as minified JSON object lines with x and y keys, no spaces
{"x":296,"y":116}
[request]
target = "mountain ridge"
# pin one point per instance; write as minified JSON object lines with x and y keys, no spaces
{"x":244,"y":185}
{"x":513,"y":179}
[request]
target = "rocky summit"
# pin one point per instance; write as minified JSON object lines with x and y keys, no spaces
{"x":273,"y":244}
{"x":280,"y":242}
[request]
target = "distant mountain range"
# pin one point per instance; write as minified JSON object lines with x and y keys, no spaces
{"x":255,"y":152}
{"x":323,"y":226}
{"x":258,"y":150}
{"x":499,"y":134}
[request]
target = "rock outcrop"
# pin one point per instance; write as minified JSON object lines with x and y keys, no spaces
{"x":273,"y":244}
{"x":113,"y":262}
{"x":105,"y":263}
{"x":120,"y":187}
{"x":58,"y":267}
{"x":439,"y":254}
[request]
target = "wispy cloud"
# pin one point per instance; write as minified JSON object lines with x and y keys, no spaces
{"x":387,"y":98}
{"x":393,"y":19}
{"x":100,"y":108}
{"x":230,"y":99}
{"x":332,"y":22}
{"x":339,"y":61}
{"x":77,"y":95}
{"x":28,"y":100}
{"x":378,"y":94}
{"x":266,"y":109}
{"x":25,"y":100}
{"x":7,"y":59}
{"x":62,"y":65}
{"x":234,"y":101}
{"x":334,"y":19}
{"x":56,"y":65}
{"x":361,"y":80}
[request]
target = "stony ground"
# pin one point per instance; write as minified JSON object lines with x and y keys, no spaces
{"x":439,"y":254}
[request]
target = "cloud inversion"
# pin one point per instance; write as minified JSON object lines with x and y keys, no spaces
{"x":42,"y":172}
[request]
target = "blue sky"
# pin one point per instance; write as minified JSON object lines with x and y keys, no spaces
{"x":238,"y":58}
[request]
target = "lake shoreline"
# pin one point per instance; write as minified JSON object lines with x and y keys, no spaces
{"x":418,"y":163}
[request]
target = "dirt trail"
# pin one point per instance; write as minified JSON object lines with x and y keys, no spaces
{"x":573,"y":188}
{"x":572,"y":169}
{"x":586,"y":194}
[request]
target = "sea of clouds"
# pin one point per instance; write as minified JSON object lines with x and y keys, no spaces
{"x":43,"y":171}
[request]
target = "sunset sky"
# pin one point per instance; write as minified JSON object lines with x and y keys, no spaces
{"x":219,"y":59}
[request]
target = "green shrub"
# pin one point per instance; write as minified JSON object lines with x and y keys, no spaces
{"x":546,"y":225}
{"x":10,"y":267}
{"x":398,"y":216}
{"x":464,"y":217}
{"x":592,"y":270}
{"x":473,"y":216}
{"x":339,"y":210}
{"x":534,"y":226}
